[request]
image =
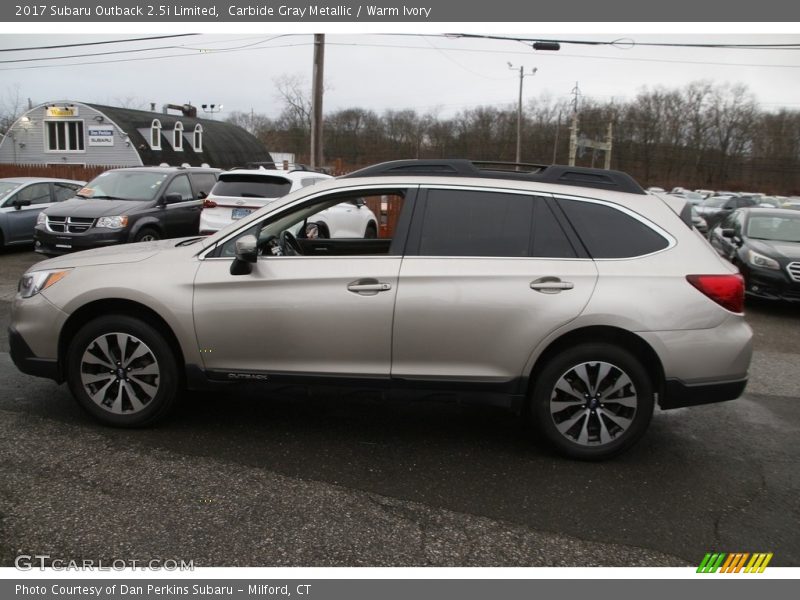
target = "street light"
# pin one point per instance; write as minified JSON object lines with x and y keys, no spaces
{"x":522,"y":75}
{"x":211,"y":108}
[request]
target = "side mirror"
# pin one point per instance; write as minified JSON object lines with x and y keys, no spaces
{"x":18,"y":204}
{"x":728,"y":233}
{"x":246,"y":254}
{"x":170,"y":199}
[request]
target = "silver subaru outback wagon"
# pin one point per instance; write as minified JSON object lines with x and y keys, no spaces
{"x":567,"y":294}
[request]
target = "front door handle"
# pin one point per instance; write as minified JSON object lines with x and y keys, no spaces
{"x":368,"y":287}
{"x":551,"y":285}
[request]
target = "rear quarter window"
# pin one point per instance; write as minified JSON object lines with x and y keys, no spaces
{"x":610,"y":233}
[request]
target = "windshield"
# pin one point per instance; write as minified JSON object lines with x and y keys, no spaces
{"x":124,"y":185}
{"x":251,"y":186}
{"x":774,"y":229}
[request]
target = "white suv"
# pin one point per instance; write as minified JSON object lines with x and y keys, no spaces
{"x":568,"y":295}
{"x":239,"y":192}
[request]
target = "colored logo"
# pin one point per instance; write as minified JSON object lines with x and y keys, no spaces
{"x":736,"y":562}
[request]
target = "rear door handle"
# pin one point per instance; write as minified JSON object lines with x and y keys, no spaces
{"x":368,"y":287}
{"x":551,"y":285}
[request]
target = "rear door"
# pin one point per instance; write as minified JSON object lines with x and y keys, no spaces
{"x":487,"y":275}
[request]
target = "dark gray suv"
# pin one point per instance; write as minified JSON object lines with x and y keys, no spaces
{"x":126,"y":205}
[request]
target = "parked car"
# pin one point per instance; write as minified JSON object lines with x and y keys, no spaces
{"x":565,"y":294}
{"x":239,"y":192}
{"x":792,"y":202}
{"x":765,"y":244}
{"x":692,"y":198}
{"x":23,"y":198}
{"x":714,"y":209}
{"x":699,"y":222}
{"x":135,"y":204}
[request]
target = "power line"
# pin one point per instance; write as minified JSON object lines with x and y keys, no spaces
{"x":401,"y":46}
{"x":154,"y":37}
{"x":630,"y":43}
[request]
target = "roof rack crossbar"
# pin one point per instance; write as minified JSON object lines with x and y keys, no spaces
{"x":558,"y":174}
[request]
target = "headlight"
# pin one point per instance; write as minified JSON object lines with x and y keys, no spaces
{"x":37,"y":281}
{"x":41,"y":219}
{"x":759,"y":260}
{"x":112,"y":222}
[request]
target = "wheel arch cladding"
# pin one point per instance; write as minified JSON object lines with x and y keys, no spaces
{"x":603,"y":334}
{"x":120,"y":306}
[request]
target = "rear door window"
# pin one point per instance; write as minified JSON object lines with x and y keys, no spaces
{"x":488,"y":223}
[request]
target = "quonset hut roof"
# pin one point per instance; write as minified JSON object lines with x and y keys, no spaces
{"x":224,"y":145}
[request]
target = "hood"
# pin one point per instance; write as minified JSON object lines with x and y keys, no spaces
{"x":79,"y":207}
{"x":790,"y":250}
{"x":122,"y":253}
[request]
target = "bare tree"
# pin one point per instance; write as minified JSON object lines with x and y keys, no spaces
{"x":11,"y":107}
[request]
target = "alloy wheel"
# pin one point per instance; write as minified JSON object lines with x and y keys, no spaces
{"x":119,"y":373}
{"x":593,"y":403}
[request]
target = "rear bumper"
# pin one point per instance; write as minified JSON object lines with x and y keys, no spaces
{"x":677,"y":394}
{"x":27,"y":362}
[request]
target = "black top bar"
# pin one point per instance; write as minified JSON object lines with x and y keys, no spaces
{"x":559,"y":174}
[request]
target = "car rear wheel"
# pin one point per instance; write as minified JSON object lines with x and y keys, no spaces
{"x":593,"y":401}
{"x":122,"y":371}
{"x":147,"y":235}
{"x":371,"y":232}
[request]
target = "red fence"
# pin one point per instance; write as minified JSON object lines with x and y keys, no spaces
{"x":79,"y":172}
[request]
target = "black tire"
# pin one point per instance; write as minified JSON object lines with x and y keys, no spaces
{"x":371,"y":232}
{"x":590,"y":422}
{"x":97,"y":363}
{"x":147,"y":234}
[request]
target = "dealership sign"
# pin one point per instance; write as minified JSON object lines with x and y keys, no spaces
{"x":62,"y":111}
{"x":101,"y":136}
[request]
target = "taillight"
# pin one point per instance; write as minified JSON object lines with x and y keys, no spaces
{"x":725,"y":290}
{"x":208,"y":203}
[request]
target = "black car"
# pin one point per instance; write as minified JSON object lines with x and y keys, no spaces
{"x":126,"y":205}
{"x":765,"y":244}
{"x":716,"y":208}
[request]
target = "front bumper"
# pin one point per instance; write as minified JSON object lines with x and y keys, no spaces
{"x":53,"y":244}
{"x":770,"y":284}
{"x":27,"y":362}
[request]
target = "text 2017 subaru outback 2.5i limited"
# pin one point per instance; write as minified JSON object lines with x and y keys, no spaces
{"x":566,"y":294}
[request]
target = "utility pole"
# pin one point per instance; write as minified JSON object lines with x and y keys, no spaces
{"x":522,"y":75}
{"x":316,"y":100}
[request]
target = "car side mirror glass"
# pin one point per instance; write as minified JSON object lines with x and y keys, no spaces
{"x":246,"y":248}
{"x":728,"y":233}
{"x":172,"y":198}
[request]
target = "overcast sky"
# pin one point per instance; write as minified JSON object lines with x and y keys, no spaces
{"x":393,"y":71}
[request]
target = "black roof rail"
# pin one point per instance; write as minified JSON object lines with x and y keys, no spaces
{"x":560,"y":174}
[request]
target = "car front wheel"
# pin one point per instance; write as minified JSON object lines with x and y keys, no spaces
{"x":122,"y":371}
{"x":593,"y":401}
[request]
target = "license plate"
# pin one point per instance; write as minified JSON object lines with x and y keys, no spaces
{"x":63,"y":245}
{"x":238,"y":213}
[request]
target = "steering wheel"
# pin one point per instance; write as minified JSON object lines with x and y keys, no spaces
{"x":289,"y":244}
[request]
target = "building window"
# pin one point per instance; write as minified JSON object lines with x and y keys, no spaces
{"x":198,"y":138}
{"x":177,"y":136}
{"x":64,"y":136}
{"x":155,"y":135}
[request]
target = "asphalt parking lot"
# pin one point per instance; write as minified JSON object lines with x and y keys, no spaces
{"x":236,"y":480}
